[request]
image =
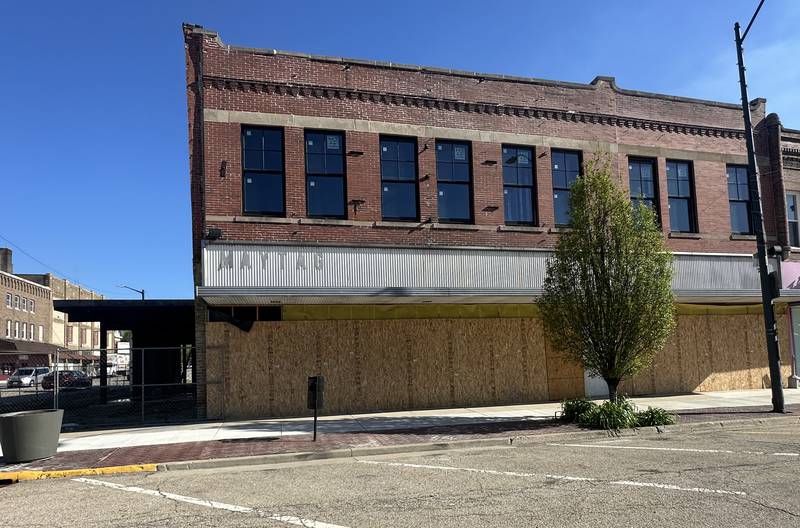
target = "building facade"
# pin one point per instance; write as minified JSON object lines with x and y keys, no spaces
{"x":26,"y":316}
{"x":387,"y":226}
{"x":67,"y":334}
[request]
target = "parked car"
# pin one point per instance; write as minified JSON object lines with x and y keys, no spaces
{"x":27,"y":376}
{"x":67,"y":378}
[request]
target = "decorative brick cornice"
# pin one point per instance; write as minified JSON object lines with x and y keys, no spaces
{"x":791,"y":158}
{"x":418,"y":101}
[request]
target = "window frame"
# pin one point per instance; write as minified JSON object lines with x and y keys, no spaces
{"x":469,"y":183}
{"x":343,"y":176}
{"x":533,"y":185}
{"x":694,"y":224}
{"x":795,"y":197}
{"x":748,"y":202}
{"x":415,"y":182}
{"x":553,"y":181}
{"x":656,"y":187}
{"x":272,"y":214}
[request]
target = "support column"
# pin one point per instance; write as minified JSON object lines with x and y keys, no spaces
{"x":103,"y":364}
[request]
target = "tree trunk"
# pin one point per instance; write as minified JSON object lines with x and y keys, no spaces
{"x":612,"y":389}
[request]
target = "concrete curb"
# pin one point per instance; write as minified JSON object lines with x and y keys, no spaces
{"x":280,"y":458}
{"x":12,"y":477}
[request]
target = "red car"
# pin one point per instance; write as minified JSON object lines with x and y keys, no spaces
{"x":67,"y":378}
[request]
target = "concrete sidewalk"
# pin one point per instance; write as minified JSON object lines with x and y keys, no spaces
{"x":389,"y":421}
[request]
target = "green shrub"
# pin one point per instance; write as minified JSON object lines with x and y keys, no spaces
{"x":573,"y":410}
{"x":611,"y":416}
{"x":654,"y":416}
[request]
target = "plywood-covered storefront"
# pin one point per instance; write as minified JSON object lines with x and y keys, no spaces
{"x":391,"y":357}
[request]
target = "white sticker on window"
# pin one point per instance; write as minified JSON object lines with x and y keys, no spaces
{"x":312,"y":184}
{"x":505,"y":191}
{"x":249,"y":132}
{"x":555,"y":167}
{"x":438,"y":147}
{"x":311,"y":142}
{"x":386,"y":149}
{"x":249,"y":180}
{"x":505,"y":151}
{"x":441,"y":193}
{"x":555,"y":196}
{"x":459,"y":153}
{"x":385,"y":189}
{"x":333,"y":142}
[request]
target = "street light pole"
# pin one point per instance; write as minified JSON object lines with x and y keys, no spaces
{"x":757,"y":218}
{"x":141,"y":292}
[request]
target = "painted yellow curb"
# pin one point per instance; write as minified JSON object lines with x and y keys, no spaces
{"x":17,"y":476}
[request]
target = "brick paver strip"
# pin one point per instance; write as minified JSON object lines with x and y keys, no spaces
{"x":155,"y":454}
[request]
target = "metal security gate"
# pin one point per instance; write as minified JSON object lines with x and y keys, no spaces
{"x":153,"y":385}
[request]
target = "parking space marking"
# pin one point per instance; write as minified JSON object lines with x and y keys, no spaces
{"x":632,"y":483}
{"x":677,"y":449}
{"x":288,"y":519}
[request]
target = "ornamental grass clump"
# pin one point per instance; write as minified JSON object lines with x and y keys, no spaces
{"x":654,"y":416}
{"x":611,"y":415}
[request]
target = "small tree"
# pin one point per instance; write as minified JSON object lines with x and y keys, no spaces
{"x":608,"y":298}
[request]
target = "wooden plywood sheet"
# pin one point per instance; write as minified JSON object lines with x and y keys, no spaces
{"x":474,"y":346}
{"x":385,"y":365}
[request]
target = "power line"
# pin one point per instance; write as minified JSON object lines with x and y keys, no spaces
{"x":51,"y":268}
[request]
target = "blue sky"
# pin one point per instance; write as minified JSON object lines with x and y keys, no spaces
{"x":93,"y":127}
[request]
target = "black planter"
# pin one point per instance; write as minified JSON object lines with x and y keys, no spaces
{"x":30,"y":435}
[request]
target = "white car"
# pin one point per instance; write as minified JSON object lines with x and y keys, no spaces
{"x":27,"y":376}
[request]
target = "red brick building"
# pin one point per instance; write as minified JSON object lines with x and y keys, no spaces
{"x":387,"y":225}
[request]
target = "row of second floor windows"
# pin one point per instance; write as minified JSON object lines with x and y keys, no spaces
{"x":23,"y":331}
{"x":264,"y":185}
{"x":83,"y":334}
{"x":20,"y":303}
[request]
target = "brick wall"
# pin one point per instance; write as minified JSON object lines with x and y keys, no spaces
{"x":597,"y":117}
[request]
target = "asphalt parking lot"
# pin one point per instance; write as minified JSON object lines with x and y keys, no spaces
{"x":744,"y":476}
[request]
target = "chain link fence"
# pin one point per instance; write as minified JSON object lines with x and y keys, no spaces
{"x":141,"y":386}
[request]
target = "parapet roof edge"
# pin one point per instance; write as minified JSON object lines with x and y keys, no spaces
{"x":611,"y":81}
{"x":23,"y":279}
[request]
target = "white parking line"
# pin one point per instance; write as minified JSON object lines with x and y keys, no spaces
{"x":678,"y":449}
{"x":288,"y":519}
{"x":558,"y":477}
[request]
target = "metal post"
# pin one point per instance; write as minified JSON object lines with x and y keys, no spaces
{"x":757,"y":218}
{"x":55,"y":382}
{"x":141,"y":382}
{"x":315,"y":424}
{"x":103,"y":364}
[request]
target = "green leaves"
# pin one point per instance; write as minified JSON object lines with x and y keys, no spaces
{"x":608,"y":298}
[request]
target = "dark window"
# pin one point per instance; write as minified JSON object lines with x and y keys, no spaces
{"x":644,"y":187}
{"x":269,"y":313}
{"x":792,"y":201}
{"x":454,"y":181}
{"x":245,"y":313}
{"x":739,"y":199}
{"x":399,"y":179}
{"x":566,"y":169}
{"x":680,"y":189}
{"x":519,"y":197}
{"x":218,"y":314}
{"x":262,"y":164}
{"x":325,"y":191}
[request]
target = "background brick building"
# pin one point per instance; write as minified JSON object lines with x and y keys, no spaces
{"x":297,"y":240}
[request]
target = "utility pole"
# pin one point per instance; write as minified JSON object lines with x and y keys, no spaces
{"x":757,"y":218}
